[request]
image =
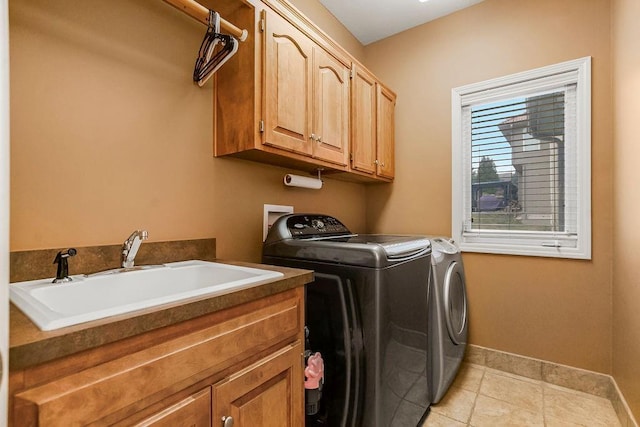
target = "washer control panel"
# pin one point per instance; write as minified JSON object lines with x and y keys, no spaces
{"x":309,"y":226}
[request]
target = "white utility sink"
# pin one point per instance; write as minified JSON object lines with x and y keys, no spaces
{"x":52,"y":306}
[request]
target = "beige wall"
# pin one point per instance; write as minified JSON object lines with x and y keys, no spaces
{"x":320,"y":16}
{"x":109,"y":134}
{"x":553,"y":309}
{"x":626,"y":278}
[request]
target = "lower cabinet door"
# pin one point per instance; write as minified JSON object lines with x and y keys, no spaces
{"x":269,"y":393}
{"x":194,"y":411}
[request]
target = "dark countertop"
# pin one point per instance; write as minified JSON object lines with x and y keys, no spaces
{"x":29,"y":346}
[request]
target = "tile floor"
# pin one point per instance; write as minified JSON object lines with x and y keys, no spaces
{"x":482,"y":396}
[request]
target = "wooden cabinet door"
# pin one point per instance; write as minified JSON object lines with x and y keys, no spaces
{"x":269,"y":393}
{"x":287,"y":85}
{"x":386,"y":132}
{"x":330,"y":133}
{"x":194,"y":411}
{"x":363,"y":121}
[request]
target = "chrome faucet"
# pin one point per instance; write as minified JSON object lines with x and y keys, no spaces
{"x":131,"y":246}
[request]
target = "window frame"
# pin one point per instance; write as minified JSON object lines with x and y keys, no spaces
{"x":529,"y":243}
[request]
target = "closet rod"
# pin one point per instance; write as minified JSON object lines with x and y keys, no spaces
{"x":201,"y":13}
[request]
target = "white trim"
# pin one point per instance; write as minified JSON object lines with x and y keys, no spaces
{"x":521,"y":89}
{"x":270,"y":214}
{"x":548,"y":71}
{"x":521,"y":84}
{"x":4,"y":207}
{"x":583,"y":146}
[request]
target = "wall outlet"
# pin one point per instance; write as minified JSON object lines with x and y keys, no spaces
{"x":271,"y":214}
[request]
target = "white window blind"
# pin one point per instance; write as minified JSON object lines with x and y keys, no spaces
{"x":521,"y":182}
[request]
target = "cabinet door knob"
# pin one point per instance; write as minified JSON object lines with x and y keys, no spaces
{"x":319,"y":139}
{"x":227,"y":421}
{"x":313,"y":137}
{"x":376,"y":161}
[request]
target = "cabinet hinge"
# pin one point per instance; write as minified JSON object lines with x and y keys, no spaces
{"x":261,"y":125}
{"x":262,"y":25}
{"x":351,"y":157}
{"x":351,"y":73}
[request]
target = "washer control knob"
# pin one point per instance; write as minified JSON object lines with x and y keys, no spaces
{"x":316,"y":223}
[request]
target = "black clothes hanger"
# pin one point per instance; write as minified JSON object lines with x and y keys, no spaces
{"x":215,"y":50}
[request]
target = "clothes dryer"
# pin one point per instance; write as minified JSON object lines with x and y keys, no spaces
{"x":448,"y":316}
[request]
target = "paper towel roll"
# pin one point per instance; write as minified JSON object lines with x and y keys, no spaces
{"x":302,"y":181}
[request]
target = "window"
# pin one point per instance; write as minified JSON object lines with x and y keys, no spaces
{"x":521,"y":163}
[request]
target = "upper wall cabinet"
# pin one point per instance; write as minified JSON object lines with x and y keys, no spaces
{"x":385,"y":140}
{"x":363,"y":121}
{"x":287,"y":98}
{"x":287,"y":89}
{"x":306,"y":95}
{"x":331,"y":108}
{"x":372,"y":126}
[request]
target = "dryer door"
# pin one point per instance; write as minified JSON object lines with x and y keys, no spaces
{"x":455,"y":303}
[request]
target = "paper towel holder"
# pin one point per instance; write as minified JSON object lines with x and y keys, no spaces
{"x":292,"y":180}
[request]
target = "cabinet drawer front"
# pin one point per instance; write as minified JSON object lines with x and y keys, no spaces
{"x":194,"y":411}
{"x":94,"y":393}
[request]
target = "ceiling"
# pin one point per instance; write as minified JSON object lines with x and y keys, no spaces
{"x":373,"y":20}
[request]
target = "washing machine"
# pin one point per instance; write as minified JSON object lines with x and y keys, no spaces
{"x":366,"y":313}
{"x":448,"y":316}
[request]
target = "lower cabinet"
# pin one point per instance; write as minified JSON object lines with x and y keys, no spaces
{"x":244,"y":364}
{"x":264,"y":394}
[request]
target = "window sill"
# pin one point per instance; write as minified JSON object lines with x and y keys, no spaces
{"x":565,"y":249}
